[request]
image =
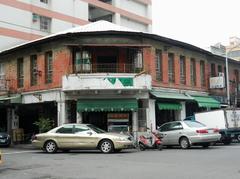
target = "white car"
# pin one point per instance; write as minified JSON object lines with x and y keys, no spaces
{"x":187,"y":133}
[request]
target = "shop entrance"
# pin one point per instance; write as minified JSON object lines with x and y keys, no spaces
{"x":163,"y":116}
{"x":3,"y":119}
{"x":119,"y":122}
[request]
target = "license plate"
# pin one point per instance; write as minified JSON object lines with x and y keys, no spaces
{"x":2,"y":140}
{"x":210,"y":131}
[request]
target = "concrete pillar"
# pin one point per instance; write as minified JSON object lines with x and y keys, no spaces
{"x":151,"y":116}
{"x":134,"y":124}
{"x":79,"y":117}
{"x":61,"y":106}
{"x":116,"y":17}
{"x":183,"y":111}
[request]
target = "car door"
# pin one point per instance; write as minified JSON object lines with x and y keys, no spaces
{"x":164,"y":129}
{"x":64,"y":136}
{"x":174,"y":133}
{"x":84,"y":137}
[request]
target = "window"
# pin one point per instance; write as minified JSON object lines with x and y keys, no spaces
{"x":193,"y":72}
{"x":219,"y":68}
{"x":202,"y":73}
{"x":158,"y":61}
{"x":45,"y":24}
{"x":213,"y":70}
{"x":194,"y":124}
{"x":138,"y":59}
{"x":33,"y":69}
{"x":20,"y":75}
{"x":171,"y":67}
{"x":1,"y":70}
{"x":176,"y":126}
{"x":65,"y":130}
{"x":165,"y":127}
{"x":82,"y":61}
{"x":182,"y":70}
{"x":79,"y":129}
{"x":48,"y":67}
{"x":236,"y":73}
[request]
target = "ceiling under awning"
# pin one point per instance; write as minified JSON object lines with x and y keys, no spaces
{"x":206,"y":101}
{"x":100,"y":105}
{"x":11,"y":99}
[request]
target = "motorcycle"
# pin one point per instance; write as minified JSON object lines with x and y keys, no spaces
{"x":152,"y":141}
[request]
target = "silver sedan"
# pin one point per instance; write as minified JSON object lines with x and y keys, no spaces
{"x":188,"y":133}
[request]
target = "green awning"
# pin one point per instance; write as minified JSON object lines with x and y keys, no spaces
{"x":11,"y":99}
{"x":169,"y":106}
{"x":206,"y":101}
{"x":100,"y":105}
{"x":170,"y":95}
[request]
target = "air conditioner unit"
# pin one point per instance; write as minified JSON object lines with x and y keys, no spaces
{"x":220,"y":74}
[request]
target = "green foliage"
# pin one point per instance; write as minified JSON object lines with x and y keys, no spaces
{"x":44,"y":124}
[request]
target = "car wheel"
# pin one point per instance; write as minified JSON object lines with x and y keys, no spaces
{"x":184,"y":143}
{"x":106,"y":146}
{"x":50,"y":146}
{"x":238,"y":137}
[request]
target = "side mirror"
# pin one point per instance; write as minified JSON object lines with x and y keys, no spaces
{"x":90,"y":133}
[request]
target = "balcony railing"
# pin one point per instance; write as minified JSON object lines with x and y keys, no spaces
{"x":106,"y":68}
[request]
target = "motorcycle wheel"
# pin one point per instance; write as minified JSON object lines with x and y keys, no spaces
{"x":159,"y":146}
{"x":141,"y":147}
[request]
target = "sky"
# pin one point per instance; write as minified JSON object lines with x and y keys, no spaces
{"x":198,"y":22}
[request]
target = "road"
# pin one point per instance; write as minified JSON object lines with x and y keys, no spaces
{"x":215,"y":162}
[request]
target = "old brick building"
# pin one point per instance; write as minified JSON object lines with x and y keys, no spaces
{"x":110,"y":76}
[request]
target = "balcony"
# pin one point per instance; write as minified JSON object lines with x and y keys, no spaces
{"x":106,"y":68}
{"x":106,"y":81}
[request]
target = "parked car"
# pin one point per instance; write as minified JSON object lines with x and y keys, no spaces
{"x":81,"y":136}
{"x":188,"y":133}
{"x":5,"y":139}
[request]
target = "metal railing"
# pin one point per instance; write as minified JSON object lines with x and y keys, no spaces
{"x":106,"y":68}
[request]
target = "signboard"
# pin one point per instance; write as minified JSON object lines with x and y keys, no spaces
{"x":217,"y":82}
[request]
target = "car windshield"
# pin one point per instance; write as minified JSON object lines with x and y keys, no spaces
{"x":96,"y":129}
{"x":194,"y":124}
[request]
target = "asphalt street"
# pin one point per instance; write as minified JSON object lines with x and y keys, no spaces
{"x":215,"y":162}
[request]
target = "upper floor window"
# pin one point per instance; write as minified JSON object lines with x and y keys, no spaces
{"x":182,"y":69}
{"x":202,"y":72}
{"x":33,"y":69}
{"x":171,"y":67}
{"x":48,"y":67}
{"x":20,"y":74}
{"x":220,"y":69}
{"x":236,"y":73}
{"x":158,"y":61}
{"x":45,"y":24}
{"x":138,"y":59}
{"x":213,"y":70}
{"x":2,"y":73}
{"x":193,"y":72}
{"x":82,"y":61}
{"x":44,"y":1}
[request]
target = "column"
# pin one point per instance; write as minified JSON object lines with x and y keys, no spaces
{"x":151,"y":116}
{"x":61,"y":108}
{"x":116,"y":17}
{"x":134,"y":124}
{"x":183,"y":111}
{"x":79,"y":117}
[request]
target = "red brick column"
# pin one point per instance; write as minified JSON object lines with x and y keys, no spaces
{"x":177,"y":69}
{"x":198,"y":76}
{"x":188,"y":74}
{"x":165,"y":67}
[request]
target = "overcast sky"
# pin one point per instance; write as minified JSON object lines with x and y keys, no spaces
{"x":199,"y":22}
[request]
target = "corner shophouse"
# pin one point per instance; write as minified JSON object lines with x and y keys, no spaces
{"x":101,"y":73}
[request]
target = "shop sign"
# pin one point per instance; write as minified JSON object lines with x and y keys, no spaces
{"x":217,"y":82}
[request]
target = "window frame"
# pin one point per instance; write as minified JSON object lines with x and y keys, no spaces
{"x":45,"y":23}
{"x":193,"y":71}
{"x":182,"y":64}
{"x":202,"y":73}
{"x":20,"y":72}
{"x":158,"y":61}
{"x":171,"y":73}
{"x":49,"y":67}
{"x":33,"y":70}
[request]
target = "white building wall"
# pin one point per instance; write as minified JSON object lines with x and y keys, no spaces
{"x":133,"y":24}
{"x":135,"y":7}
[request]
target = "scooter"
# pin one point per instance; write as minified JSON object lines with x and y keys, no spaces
{"x":150,"y":142}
